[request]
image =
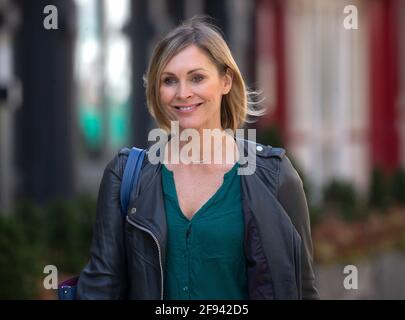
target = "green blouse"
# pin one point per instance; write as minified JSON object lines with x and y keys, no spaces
{"x":205,"y":255}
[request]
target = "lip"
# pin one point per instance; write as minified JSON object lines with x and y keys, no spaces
{"x":194,"y":106}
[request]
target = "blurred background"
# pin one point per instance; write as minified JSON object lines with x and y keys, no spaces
{"x":71,"y":97}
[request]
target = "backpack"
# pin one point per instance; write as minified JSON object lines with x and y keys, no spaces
{"x":130,"y":178}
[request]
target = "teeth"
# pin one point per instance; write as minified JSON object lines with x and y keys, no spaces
{"x":187,"y":108}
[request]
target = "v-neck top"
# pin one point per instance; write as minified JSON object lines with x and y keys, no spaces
{"x":204,"y":255}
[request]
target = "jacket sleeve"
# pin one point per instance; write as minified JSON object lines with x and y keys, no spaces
{"x":292,"y":197}
{"x":104,"y":276}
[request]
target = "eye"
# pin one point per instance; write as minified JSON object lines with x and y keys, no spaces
{"x":169,"y":81}
{"x":197,"y":78}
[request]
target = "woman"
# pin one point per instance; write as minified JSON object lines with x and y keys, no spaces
{"x":198,"y":229}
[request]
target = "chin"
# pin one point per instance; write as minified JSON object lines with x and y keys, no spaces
{"x":189,"y":124}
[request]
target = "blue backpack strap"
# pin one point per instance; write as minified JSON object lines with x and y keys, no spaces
{"x":131,"y":176}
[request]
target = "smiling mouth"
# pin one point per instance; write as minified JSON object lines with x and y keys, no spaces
{"x":189,"y":107}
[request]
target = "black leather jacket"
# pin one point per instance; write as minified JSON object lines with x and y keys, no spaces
{"x":128,"y":256}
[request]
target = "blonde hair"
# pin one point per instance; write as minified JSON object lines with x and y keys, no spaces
{"x":236,"y":106}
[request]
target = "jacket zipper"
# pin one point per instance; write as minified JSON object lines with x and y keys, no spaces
{"x":158,"y":246}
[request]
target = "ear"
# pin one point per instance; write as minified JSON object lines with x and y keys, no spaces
{"x":228,"y":77}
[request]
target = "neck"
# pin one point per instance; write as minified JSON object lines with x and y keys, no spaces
{"x":208,"y":147}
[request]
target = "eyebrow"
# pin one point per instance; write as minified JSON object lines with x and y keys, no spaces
{"x":191,"y":71}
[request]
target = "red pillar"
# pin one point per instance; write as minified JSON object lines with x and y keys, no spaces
{"x":384,"y":84}
{"x":271,"y":46}
{"x":280,"y":115}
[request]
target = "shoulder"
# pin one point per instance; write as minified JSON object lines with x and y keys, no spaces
{"x":270,"y":152}
{"x":267,"y":156}
{"x":275,"y":161}
{"x":116,"y":165}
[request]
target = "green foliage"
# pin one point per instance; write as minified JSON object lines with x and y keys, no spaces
{"x":19,"y":263}
{"x":378,"y":193}
{"x":340,"y":196}
{"x":398,"y":186}
{"x":86,"y":208}
{"x":69,"y":231}
{"x":31,"y":237}
{"x":386,"y":190}
{"x":315,"y":214}
{"x":31,"y":218}
{"x":62,"y":225}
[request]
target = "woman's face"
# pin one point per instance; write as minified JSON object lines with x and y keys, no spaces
{"x":191,"y":89}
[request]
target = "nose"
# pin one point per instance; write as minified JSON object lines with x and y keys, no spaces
{"x":184,"y":91}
